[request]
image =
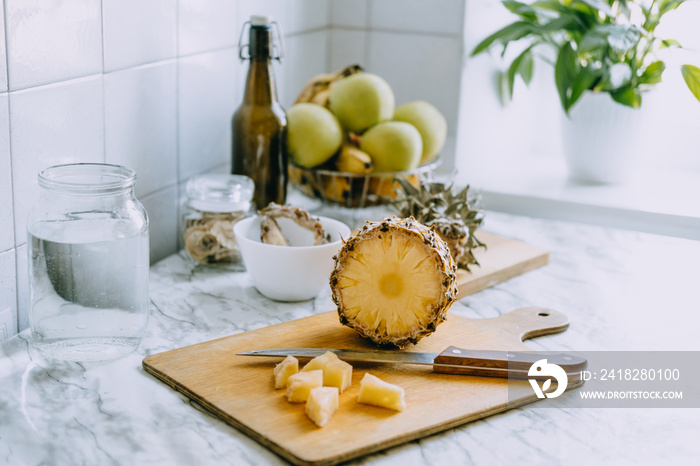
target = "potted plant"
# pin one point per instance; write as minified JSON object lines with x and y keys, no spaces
{"x":602,"y":47}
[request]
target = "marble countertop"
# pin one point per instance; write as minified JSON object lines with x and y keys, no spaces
{"x":622,"y":290}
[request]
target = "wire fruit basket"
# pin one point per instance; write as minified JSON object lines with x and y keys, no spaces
{"x":355,"y":190}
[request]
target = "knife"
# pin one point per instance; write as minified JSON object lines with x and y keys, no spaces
{"x":453,"y":360}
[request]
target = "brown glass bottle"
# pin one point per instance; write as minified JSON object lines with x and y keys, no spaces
{"x":259,"y":126}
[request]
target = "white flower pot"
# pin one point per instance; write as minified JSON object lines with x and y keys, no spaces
{"x":603,"y":140}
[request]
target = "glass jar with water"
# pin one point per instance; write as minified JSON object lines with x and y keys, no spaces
{"x":88,"y":263}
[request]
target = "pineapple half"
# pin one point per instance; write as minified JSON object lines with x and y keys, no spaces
{"x":394,"y":281}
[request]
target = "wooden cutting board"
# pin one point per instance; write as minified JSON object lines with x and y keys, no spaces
{"x":503,"y":259}
{"x":240,"y":389}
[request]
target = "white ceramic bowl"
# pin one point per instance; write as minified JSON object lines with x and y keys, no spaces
{"x":288,"y":273}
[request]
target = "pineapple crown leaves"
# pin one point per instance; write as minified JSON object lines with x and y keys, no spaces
{"x":433,"y":201}
{"x":435,"y":204}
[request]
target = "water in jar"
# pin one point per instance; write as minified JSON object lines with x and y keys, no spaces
{"x":89,"y":293}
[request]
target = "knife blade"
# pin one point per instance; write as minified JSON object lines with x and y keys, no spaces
{"x":453,"y":360}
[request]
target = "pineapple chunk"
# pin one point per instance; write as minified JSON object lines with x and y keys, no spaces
{"x":337,"y":374}
{"x":322,"y":404}
{"x":288,"y":366}
{"x":300,"y":384}
{"x":374,"y":391}
{"x":319,"y":362}
{"x":394,"y":281}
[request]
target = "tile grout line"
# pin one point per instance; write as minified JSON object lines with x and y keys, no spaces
{"x":178,"y":151}
{"x":12,"y":178}
{"x":368,"y":32}
{"x":104,"y":84}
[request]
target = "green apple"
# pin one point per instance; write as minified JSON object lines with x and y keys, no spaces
{"x":313,"y":134}
{"x":430,"y":124}
{"x":393,"y":145}
{"x":361,"y":100}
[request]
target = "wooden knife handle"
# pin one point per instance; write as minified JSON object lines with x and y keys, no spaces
{"x":512,"y":364}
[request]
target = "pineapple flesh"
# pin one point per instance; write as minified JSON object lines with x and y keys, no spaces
{"x":374,"y":391}
{"x":394,"y":281}
{"x":337,"y":374}
{"x":300,"y":384}
{"x":319,"y":362}
{"x":322,"y":404}
{"x":289,"y":366}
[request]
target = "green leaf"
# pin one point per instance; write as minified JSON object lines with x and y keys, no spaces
{"x":593,"y":41}
{"x":600,"y":5}
{"x":652,"y":74}
{"x":668,"y":5}
{"x":526,"y":68}
{"x":564,"y":23}
{"x":523,"y":10}
{"x":565,"y":71}
{"x":691,"y":75}
{"x":614,"y":77}
{"x":502,"y":86}
{"x":628,"y":96}
{"x":585,"y":80}
{"x":515,"y":68}
{"x":514,"y":31}
{"x":669,"y":43}
{"x":620,"y":37}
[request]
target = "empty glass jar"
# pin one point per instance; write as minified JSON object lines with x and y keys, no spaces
{"x":88,"y":263}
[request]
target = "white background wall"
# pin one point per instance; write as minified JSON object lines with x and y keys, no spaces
{"x":152,"y":84}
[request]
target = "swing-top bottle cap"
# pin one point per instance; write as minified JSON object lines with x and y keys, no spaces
{"x":256,"y":20}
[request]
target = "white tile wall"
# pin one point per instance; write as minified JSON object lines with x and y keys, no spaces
{"x":349,"y":13}
{"x":152,"y":84}
{"x":419,"y":67}
{"x":49,"y":125}
{"x":436,"y":17}
{"x":293,"y":16}
{"x":7,"y":233}
{"x":305,"y":58}
{"x":22,"y":287}
{"x":162,"y":208}
{"x":141,"y":123}
{"x":348,"y":47}
{"x":138,"y":32}
{"x":207,"y":100}
{"x":8,"y":286}
{"x":3,"y":53}
{"x":52,"y":41}
{"x":210,"y":25}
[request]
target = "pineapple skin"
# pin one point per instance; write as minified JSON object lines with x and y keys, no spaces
{"x":444,"y":264}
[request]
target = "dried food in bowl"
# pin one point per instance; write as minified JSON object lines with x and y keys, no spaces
{"x":289,"y":273}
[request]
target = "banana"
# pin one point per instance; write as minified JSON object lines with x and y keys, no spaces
{"x":317,"y":89}
{"x":353,"y":160}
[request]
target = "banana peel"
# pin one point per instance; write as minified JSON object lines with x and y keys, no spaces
{"x":318,"y":89}
{"x":353,"y":160}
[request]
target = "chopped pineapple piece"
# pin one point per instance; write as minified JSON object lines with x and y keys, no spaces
{"x":337,"y":374}
{"x":288,"y":366}
{"x":319,"y":362}
{"x":374,"y":391}
{"x":300,"y":384}
{"x":322,"y":404}
{"x":394,"y":281}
